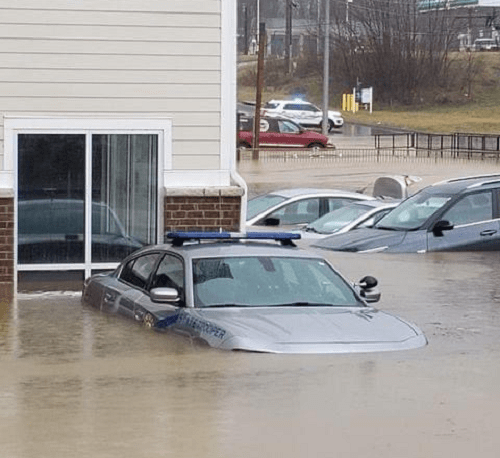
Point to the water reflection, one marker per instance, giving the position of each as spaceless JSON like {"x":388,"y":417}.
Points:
{"x":77,"y":382}
{"x":354,"y":130}
{"x":74,"y":379}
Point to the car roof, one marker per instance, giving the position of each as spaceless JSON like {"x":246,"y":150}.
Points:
{"x":274,"y":116}
{"x":234,"y":249}
{"x":294,"y":192}
{"x":229,"y":248}
{"x":458,"y":185}
{"x":375,"y":203}
{"x":291,"y":101}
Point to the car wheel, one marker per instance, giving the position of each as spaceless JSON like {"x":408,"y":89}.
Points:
{"x":315,"y":147}
{"x":330,"y":125}
{"x":148,"y":321}
{"x":243,"y":145}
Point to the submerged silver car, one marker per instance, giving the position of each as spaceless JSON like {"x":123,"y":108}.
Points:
{"x":247,"y":292}
{"x":296,"y":207}
{"x":347,"y":218}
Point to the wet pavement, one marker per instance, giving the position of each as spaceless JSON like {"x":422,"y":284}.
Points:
{"x":78,"y":383}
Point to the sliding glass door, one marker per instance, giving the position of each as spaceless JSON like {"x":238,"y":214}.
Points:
{"x":85,"y":200}
{"x":51,"y":190}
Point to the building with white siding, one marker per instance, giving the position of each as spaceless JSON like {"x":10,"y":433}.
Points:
{"x":117,"y":124}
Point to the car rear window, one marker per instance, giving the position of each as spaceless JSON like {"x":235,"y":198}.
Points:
{"x":246,"y":124}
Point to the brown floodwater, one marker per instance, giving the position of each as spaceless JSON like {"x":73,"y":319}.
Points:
{"x":75,"y":382}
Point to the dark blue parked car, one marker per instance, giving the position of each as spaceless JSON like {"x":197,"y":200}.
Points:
{"x":454,"y":215}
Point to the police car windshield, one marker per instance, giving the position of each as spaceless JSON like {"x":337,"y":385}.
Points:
{"x":268,"y":281}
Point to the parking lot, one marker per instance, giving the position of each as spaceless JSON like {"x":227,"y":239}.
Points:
{"x":79,"y":383}
{"x":354,"y":166}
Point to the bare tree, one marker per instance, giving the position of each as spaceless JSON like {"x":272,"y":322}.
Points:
{"x":404,"y":53}
{"x":392,"y":47}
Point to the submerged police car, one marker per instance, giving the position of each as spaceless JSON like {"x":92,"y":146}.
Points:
{"x":247,"y":292}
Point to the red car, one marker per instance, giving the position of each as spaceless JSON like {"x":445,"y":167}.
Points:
{"x":280,"y":132}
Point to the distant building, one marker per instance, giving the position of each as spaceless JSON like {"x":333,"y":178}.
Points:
{"x":478,"y":21}
{"x":304,"y":37}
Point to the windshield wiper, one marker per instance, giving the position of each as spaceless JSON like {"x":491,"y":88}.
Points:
{"x":223,"y":305}
{"x":306,"y":304}
{"x":312,"y":229}
{"x":387,"y":228}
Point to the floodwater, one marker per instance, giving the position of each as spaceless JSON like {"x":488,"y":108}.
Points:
{"x":75,"y":382}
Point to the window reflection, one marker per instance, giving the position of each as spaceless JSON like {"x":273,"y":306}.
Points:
{"x":51,"y":182}
{"x":51,"y":197}
{"x":124,"y":182}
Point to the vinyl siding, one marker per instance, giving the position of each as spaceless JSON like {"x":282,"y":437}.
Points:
{"x":137,"y":57}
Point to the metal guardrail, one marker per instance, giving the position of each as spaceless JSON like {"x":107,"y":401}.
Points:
{"x":379,"y":154}
{"x":457,"y":144}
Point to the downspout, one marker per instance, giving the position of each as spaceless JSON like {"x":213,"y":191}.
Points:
{"x":229,"y":98}
{"x":238,"y":179}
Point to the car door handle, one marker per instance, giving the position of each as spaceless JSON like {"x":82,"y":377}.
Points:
{"x":488,"y":232}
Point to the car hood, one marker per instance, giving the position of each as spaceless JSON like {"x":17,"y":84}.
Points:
{"x":363,"y":239}
{"x":316,"y":135}
{"x":312,"y":329}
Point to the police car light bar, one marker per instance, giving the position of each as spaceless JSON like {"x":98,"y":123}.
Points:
{"x":178,"y":238}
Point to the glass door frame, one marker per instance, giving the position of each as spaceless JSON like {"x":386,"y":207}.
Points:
{"x":153,"y":126}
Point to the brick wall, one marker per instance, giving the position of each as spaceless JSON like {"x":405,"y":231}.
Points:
{"x":202,"y":210}
{"x":6,"y":241}
{"x":207,"y":210}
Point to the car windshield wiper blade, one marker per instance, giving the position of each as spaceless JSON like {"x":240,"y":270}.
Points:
{"x":291,"y":304}
{"x":306,"y":304}
{"x":223,"y":305}
{"x":387,"y":228}
{"x":316,"y":231}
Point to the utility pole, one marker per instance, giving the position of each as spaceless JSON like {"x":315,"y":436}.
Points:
{"x":288,"y":35}
{"x":258,"y":97}
{"x":347,"y":11}
{"x":245,"y":28}
{"x":319,"y":32}
{"x":326,"y":68}
{"x":258,"y":21}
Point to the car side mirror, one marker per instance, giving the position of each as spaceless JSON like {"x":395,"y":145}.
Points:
{"x":272,"y":222}
{"x":163,"y":295}
{"x":440,"y":226}
{"x":368,"y":289}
